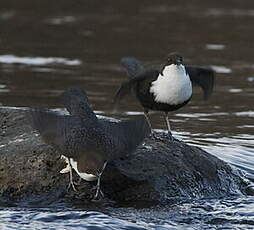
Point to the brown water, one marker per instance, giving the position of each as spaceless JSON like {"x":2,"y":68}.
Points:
{"x":47,"y":46}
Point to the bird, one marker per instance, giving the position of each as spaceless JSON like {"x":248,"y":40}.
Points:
{"x":165,"y":89}
{"x":86,"y":142}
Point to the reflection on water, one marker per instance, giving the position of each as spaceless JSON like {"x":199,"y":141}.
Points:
{"x":237,"y":150}
{"x":46,"y":48}
{"x":215,"y":46}
{"x":230,"y":12}
{"x":12,"y":59}
{"x":221,"y":69}
{"x":61,"y":20}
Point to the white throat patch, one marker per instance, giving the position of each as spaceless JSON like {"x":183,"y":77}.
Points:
{"x":173,"y":87}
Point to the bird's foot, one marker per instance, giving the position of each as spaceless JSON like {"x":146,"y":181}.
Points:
{"x":79,"y":181}
{"x":98,"y":193}
{"x":72,"y":185}
{"x":170,"y":136}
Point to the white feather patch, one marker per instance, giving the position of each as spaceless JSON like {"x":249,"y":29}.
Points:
{"x":85,"y":176}
{"x":68,"y":167}
{"x":173,"y":87}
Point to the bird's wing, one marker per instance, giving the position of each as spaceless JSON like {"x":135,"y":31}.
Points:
{"x":203,"y":77}
{"x":145,"y":77}
{"x":123,"y":137}
{"x":56,"y":130}
{"x":132,"y":66}
{"x":124,"y":89}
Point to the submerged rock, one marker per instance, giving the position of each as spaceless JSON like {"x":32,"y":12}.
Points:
{"x":157,"y":171}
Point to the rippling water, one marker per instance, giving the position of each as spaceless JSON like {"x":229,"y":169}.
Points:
{"x":48,"y":46}
{"x":233,"y":213}
{"x":50,"y":219}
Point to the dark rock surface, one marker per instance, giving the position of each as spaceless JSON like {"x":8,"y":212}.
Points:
{"x":157,"y":171}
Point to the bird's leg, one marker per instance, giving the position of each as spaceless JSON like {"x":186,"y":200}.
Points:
{"x":147,"y":119}
{"x":71,"y":183}
{"x":149,"y":123}
{"x":68,"y":169}
{"x":152,"y":135}
{"x":168,"y":125}
{"x":79,"y":181}
{"x":98,"y":190}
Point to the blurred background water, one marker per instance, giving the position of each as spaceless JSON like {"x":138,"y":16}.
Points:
{"x":47,"y":46}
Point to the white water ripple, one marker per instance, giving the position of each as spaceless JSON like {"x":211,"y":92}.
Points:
{"x":12,"y":59}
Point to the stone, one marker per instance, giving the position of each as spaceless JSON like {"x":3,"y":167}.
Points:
{"x":158,"y":171}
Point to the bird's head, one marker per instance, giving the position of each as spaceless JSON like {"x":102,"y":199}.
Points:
{"x":174,"y":58}
{"x":76,"y":101}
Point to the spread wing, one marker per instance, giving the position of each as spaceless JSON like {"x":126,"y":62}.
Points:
{"x":203,"y":77}
{"x":132,"y":66}
{"x":125,"y":136}
{"x":56,"y":130}
{"x":70,"y":135}
{"x":146,"y":77}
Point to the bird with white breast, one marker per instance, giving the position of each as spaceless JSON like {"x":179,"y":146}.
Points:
{"x":164,"y":89}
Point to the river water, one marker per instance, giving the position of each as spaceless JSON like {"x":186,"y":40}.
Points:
{"x":47,"y":46}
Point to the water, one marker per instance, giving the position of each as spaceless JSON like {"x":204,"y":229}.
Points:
{"x":47,"y":46}
{"x":49,"y":219}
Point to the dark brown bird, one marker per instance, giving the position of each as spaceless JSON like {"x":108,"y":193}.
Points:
{"x":86,"y":142}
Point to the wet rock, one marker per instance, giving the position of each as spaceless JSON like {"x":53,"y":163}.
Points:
{"x":157,"y":171}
